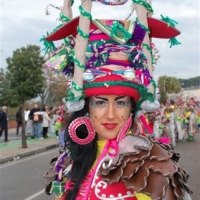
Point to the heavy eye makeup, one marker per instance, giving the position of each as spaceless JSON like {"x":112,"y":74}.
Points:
{"x":121,"y":101}
{"x":98,"y":101}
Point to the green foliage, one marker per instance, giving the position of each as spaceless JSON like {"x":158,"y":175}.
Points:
{"x":191,"y":82}
{"x":163,"y":96}
{"x":5,"y":91}
{"x":168,"y":85}
{"x":24,"y":78}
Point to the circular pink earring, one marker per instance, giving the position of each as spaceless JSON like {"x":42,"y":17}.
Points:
{"x":75,"y":124}
{"x":124,"y":129}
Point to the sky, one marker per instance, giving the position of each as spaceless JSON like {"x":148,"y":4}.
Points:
{"x":24,"y":22}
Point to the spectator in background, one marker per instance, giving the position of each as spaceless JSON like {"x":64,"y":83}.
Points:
{"x":19,"y":119}
{"x":45,"y":122}
{"x":28,"y":123}
{"x":4,"y":123}
{"x":61,"y":140}
{"x":26,"y":114}
{"x":46,"y":108}
{"x":56,"y":122}
{"x":54,"y":117}
{"x":36,"y":116}
{"x":162,"y":108}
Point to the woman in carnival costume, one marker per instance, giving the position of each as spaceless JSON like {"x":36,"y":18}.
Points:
{"x":171,"y":125}
{"x":104,"y":159}
{"x":192,"y":125}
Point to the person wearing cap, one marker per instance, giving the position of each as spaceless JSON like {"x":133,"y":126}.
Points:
{"x":112,"y":82}
{"x":4,"y":123}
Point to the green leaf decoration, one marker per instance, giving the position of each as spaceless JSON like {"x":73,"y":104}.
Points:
{"x":173,"y":42}
{"x":48,"y":45}
{"x":169,"y":21}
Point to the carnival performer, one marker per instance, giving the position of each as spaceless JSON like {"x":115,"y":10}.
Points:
{"x":171,"y":125}
{"x":163,"y":135}
{"x":179,"y":123}
{"x":104,"y":159}
{"x":198,"y":119}
{"x":192,"y":125}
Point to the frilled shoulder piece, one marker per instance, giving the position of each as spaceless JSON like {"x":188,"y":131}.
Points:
{"x":148,"y":167}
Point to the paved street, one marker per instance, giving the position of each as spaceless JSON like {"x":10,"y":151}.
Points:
{"x":190,"y":161}
{"x":23,"y":179}
{"x":11,"y":135}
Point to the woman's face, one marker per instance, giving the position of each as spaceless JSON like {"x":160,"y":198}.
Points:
{"x":108,"y":113}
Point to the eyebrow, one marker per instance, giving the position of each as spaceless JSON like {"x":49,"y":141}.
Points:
{"x":105,"y":99}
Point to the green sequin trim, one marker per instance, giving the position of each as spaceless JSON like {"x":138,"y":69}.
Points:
{"x":57,"y":27}
{"x":64,"y":18}
{"x":143,"y":91}
{"x":84,"y":13}
{"x":78,"y":63}
{"x":114,"y":83}
{"x":143,"y":26}
{"x":145,"y":4}
{"x":82,"y":34}
{"x":147,"y":47}
{"x":76,"y":87}
{"x":72,"y":98}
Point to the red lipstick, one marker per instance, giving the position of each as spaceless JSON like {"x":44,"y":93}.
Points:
{"x":109,"y":126}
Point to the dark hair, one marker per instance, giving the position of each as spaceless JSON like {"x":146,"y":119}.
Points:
{"x":83,"y":156}
{"x":172,"y":102}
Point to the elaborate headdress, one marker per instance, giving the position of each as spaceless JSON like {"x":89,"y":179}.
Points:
{"x":112,"y":57}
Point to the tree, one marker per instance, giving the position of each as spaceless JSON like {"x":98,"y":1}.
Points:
{"x":191,"y":82}
{"x":3,"y":88}
{"x":58,"y":88}
{"x":168,"y":85}
{"x":54,"y":88}
{"x":24,"y":72}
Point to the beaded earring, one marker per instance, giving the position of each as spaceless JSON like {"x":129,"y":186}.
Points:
{"x":75,"y":124}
